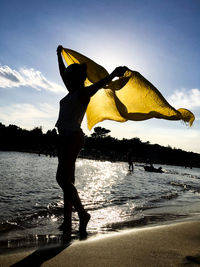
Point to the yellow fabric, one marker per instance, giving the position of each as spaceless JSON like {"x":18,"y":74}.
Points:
{"x":130,"y":97}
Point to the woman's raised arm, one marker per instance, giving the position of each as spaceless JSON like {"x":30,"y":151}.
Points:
{"x":61,"y":63}
{"x":92,"y":89}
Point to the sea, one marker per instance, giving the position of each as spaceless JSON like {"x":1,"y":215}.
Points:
{"x":31,"y":202}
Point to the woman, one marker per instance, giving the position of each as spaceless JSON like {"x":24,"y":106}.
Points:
{"x":71,"y":138}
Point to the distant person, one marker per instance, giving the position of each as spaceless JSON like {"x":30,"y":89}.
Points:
{"x":71,"y":138}
{"x":130,"y":161}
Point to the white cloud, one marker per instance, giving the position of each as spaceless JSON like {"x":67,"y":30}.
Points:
{"x":27,"y":77}
{"x":185,"y":99}
{"x":29,"y":116}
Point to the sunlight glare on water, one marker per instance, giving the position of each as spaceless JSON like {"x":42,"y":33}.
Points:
{"x":32,"y":202}
{"x":99,"y":179}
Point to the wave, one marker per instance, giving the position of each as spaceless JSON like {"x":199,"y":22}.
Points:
{"x":55,"y":210}
{"x":186,"y":187}
{"x":38,"y":240}
{"x":143,"y":220}
{"x":189,"y":175}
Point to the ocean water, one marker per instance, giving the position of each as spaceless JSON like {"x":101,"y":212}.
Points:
{"x":31,"y":202}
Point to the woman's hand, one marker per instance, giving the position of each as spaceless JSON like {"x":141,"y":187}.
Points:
{"x":59,"y":49}
{"x":119,"y":71}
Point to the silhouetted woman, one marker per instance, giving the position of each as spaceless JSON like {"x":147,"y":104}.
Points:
{"x":71,"y":138}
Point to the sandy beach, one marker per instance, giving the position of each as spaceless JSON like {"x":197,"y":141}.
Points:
{"x":176,"y":244}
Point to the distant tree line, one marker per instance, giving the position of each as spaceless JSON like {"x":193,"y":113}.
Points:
{"x":98,"y":146}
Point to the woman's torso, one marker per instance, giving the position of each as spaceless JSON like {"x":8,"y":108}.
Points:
{"x":72,"y":110}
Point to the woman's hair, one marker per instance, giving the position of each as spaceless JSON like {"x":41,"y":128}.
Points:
{"x":75,"y":73}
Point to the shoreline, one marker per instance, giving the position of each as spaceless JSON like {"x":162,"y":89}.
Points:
{"x":154,"y":217}
{"x":103,"y":159}
{"x":171,"y":244}
{"x":19,"y":243}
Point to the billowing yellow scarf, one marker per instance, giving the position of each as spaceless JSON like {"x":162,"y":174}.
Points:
{"x":130,"y":97}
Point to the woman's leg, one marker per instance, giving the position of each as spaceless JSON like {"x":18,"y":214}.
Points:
{"x":84,"y":217}
{"x":71,"y":198}
{"x":65,"y":177}
{"x":66,"y":226}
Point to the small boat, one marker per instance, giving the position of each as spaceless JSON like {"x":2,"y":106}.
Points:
{"x":152,"y":169}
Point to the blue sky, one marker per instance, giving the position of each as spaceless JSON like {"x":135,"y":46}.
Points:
{"x":160,"y":39}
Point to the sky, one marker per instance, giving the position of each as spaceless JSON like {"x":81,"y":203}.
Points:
{"x":159,"y":39}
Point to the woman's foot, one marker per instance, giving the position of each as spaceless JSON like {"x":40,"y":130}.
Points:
{"x":65,"y":228}
{"x":83,"y":221}
{"x":61,"y":227}
{"x":66,"y":233}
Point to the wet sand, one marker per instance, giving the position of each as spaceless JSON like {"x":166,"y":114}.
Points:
{"x":176,"y":244}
